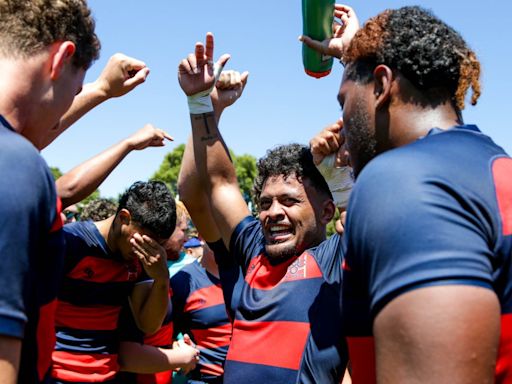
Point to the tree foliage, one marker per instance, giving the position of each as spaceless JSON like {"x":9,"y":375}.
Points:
{"x":245,"y":166}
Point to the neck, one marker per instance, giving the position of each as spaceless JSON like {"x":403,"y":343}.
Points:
{"x":21,"y":82}
{"x":107,"y":231}
{"x":413,"y":122}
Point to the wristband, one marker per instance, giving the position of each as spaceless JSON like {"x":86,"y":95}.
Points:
{"x":201,"y":102}
{"x":340,"y":180}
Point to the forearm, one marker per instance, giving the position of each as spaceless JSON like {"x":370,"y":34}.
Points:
{"x":140,"y":358}
{"x":90,"y":96}
{"x":82,"y":180}
{"x":151,"y":313}
{"x":194,"y":197}
{"x":10,"y":349}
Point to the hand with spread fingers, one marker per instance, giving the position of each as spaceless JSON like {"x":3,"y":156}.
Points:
{"x":151,"y":255}
{"x":342,"y":33}
{"x":148,"y":136}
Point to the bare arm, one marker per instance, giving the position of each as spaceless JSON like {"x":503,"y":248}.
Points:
{"x":140,"y":358}
{"x":214,"y":166}
{"x":121,"y":75}
{"x":82,"y":180}
{"x":228,"y":89}
{"x":441,"y":334}
{"x":149,"y":301}
{"x":10,"y":350}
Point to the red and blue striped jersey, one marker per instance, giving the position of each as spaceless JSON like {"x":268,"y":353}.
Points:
{"x":199,"y":311}
{"x":287,"y":321}
{"x":444,"y":204}
{"x":162,"y":339}
{"x":31,"y":248}
{"x":95,"y":286}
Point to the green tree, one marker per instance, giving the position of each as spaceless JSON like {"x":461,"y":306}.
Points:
{"x":245,"y":166}
{"x":56,"y":172}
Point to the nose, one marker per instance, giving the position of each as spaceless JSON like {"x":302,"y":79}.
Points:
{"x":275,"y":212}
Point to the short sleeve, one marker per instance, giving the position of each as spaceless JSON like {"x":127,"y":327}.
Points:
{"x":27,"y":210}
{"x":409,"y":225}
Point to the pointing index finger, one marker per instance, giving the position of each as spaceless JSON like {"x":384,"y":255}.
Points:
{"x":209,"y":46}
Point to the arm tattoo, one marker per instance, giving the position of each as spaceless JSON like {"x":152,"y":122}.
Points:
{"x":204,"y":117}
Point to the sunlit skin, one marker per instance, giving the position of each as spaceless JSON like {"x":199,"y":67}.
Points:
{"x":175,"y":243}
{"x":293,"y":216}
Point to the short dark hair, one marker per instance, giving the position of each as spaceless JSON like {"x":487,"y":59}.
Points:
{"x":28,"y":26}
{"x":151,"y":206}
{"x":424,"y":49}
{"x":289,"y":160}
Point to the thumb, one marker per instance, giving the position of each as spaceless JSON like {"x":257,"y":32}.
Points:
{"x":219,"y":65}
{"x":313,"y":44}
{"x":138,"y":78}
{"x":244,"y":78}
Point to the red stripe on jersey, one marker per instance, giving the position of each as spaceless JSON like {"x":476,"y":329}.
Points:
{"x":87,"y":368}
{"x":504,"y":363}
{"x":204,"y":298}
{"x":45,"y":337}
{"x":97,"y":318}
{"x":101,"y":270}
{"x":502,"y":172}
{"x":155,"y":378}
{"x":57,"y":223}
{"x":213,"y":337}
{"x":162,"y":337}
{"x":263,"y":275}
{"x":361,"y":351}
{"x":212,"y":370}
{"x":277,"y":343}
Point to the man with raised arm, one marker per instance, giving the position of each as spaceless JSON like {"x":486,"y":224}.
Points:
{"x":428,"y":271}
{"x":286,"y":326}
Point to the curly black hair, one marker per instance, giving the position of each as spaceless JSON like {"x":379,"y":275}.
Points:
{"x":425,"y":50}
{"x":289,"y":160}
{"x":151,"y":206}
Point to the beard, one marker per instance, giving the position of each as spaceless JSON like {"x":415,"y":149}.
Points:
{"x":361,"y":142}
{"x":280,"y":252}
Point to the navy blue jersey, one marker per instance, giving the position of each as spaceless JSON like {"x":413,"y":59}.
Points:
{"x":31,"y":247}
{"x":199,"y":311}
{"x":95,"y":287}
{"x":437,"y":211}
{"x":287,"y":321}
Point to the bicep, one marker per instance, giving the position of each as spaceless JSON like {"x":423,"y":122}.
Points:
{"x":438,"y":334}
{"x":228,"y":209}
{"x":10,"y":349}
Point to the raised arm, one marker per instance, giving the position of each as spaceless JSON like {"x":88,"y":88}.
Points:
{"x":120,"y":76}
{"x":82,"y":180}
{"x":227,"y":90}
{"x":197,"y":77}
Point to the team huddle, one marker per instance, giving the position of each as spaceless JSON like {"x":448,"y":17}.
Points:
{"x":415,"y":286}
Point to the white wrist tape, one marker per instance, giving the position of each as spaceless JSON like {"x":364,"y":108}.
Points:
{"x":201,"y":102}
{"x":340,"y":180}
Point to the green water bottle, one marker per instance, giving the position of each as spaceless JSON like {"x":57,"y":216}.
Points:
{"x":317,"y":18}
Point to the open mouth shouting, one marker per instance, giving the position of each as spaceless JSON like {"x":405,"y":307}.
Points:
{"x":279,"y":233}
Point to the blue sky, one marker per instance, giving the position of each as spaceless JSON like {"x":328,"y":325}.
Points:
{"x":280,"y":104}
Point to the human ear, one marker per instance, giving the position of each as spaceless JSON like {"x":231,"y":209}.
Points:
{"x":124,"y":216}
{"x":383,"y":79}
{"x":61,"y":54}
{"x":328,"y":212}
